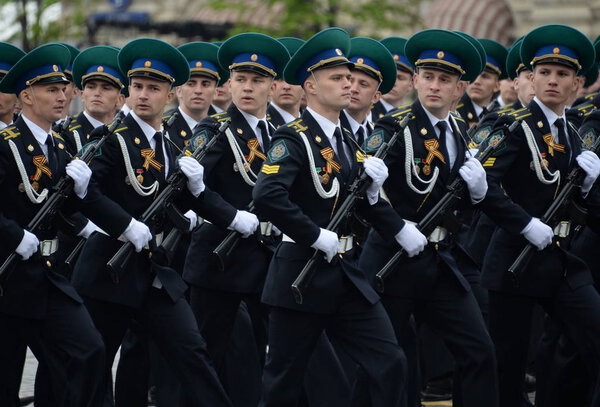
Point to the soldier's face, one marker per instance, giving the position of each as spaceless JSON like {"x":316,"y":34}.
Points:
{"x":553,"y":84}
{"x":8,"y":103}
{"x":329,"y":88}
{"x":364,"y":91}
{"x":99,"y":98}
{"x":285,"y":95}
{"x":524,"y":87}
{"x":44,"y":103}
{"x":250,"y":92}
{"x":223,"y":95}
{"x":197,"y":94}
{"x":403,"y":85}
{"x":508,"y":91}
{"x":436,"y":90}
{"x":482,"y":89}
{"x":148,"y":97}
{"x":71,"y":93}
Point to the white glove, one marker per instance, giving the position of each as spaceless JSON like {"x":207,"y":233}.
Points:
{"x":194,"y":171}
{"x":28,"y":246}
{"x":328,"y":243}
{"x":471,"y":152}
{"x":244,"y":223}
{"x":138,"y":234}
{"x":474,"y":175}
{"x":538,"y":233}
{"x":411,"y":239}
{"x":88,"y":229}
{"x":191,"y":215}
{"x":378,"y":171}
{"x":590,"y":163}
{"x":81,"y":174}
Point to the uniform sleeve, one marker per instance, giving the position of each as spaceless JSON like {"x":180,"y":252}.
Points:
{"x":11,"y":232}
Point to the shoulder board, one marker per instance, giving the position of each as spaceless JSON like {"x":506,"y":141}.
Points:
{"x":459,"y":106}
{"x":167,"y":116}
{"x":404,"y":106}
{"x":71,"y":128}
{"x":58,"y":136}
{"x":506,"y":108}
{"x":457,"y":117}
{"x":521,"y":113}
{"x":221,"y":116}
{"x":121,"y":129}
{"x":297,"y":125}
{"x":10,"y":132}
{"x":586,"y":107}
{"x":591,"y":95}
{"x":401,"y":112}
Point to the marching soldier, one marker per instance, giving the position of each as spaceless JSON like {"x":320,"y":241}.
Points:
{"x":524,"y":175}
{"x":38,"y":306}
{"x":285,"y":98}
{"x":8,"y":101}
{"x":60,"y":125}
{"x":303,"y":178}
{"x":129,"y":172}
{"x":404,"y":83}
{"x":429,"y":282}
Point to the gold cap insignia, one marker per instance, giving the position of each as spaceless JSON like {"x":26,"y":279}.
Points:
{"x":254,"y":57}
{"x":423,"y":131}
{"x":440,"y":54}
{"x":100,"y":69}
{"x":136,"y":140}
{"x":360,"y":60}
{"x":55,"y":68}
{"x":338,"y":51}
{"x":30,"y":148}
{"x":556,"y":50}
{"x":199,"y":64}
{"x":396,"y":57}
{"x":147,"y":64}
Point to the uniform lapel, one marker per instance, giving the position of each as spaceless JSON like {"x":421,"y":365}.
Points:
{"x":322,"y":144}
{"x":32,"y":153}
{"x":140,"y":144}
{"x":244,"y":135}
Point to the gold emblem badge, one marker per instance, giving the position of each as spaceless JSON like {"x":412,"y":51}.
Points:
{"x":30,"y":148}
{"x":55,"y":68}
{"x":424,"y":131}
{"x":441,"y":55}
{"x":136,"y":140}
{"x":254,"y":57}
{"x":324,"y":178}
{"x":360,"y":60}
{"x":540,"y":124}
{"x":240,"y":131}
{"x":338,"y":51}
{"x":35,"y":185}
{"x":61,"y":146}
{"x":427,"y":169}
{"x":183,"y":133}
{"x":147,"y":64}
{"x":396,"y":57}
{"x":199,"y":64}
{"x":100,"y":69}
{"x":470,"y":115}
{"x":140,"y":178}
{"x":556,"y":50}
{"x":318,"y":139}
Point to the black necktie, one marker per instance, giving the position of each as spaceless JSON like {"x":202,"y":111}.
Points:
{"x":52,"y":157}
{"x":159,"y":154}
{"x":563,"y":158}
{"x":442,"y":126}
{"x":264,"y":134}
{"x":341,"y":153}
{"x":360,"y":136}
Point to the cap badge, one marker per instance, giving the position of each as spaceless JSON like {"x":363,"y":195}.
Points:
{"x":360,"y":60}
{"x":396,"y":57}
{"x":55,"y":68}
{"x":338,"y":51}
{"x":556,"y":50}
{"x":147,"y":64}
{"x":440,"y":54}
{"x":199,"y":64}
{"x":254,"y":57}
{"x":100,"y":69}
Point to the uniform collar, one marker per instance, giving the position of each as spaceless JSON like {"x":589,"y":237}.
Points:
{"x":386,"y":105}
{"x":287,"y":117}
{"x":3,"y":125}
{"x":354,"y":125}
{"x":95,"y":123}
{"x":188,"y":119}
{"x":326,"y":125}
{"x":125,"y":109}
{"x":478,"y":109}
{"x":550,"y":115}
{"x":434,"y":120}
{"x":217,"y":109}
{"x":40,"y":134}
{"x":253,"y":120}
{"x":148,"y":130}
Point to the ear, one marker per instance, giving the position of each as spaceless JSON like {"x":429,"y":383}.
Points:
{"x":178,"y":91}
{"x":376,"y":97}
{"x":26,"y":97}
{"x":310,"y":87}
{"x":170,"y":96}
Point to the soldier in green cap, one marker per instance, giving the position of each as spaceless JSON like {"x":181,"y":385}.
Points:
{"x":524,"y":175}
{"x":38,"y":306}
{"x":8,"y":101}
{"x":60,"y":125}
{"x":404,"y":79}
{"x":429,"y":281}
{"x":128,"y":173}
{"x":304,"y":177}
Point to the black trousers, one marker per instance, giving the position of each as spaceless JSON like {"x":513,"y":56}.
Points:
{"x":510,"y":321}
{"x":453,"y":315}
{"x":66,"y":343}
{"x":173,"y":329}
{"x":361,"y":329}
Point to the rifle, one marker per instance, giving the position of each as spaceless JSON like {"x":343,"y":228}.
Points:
{"x":164,"y":201}
{"x":167,"y":124}
{"x":562,"y":201}
{"x":228,"y":245}
{"x":63,"y":189}
{"x":356,"y":189}
{"x":443,"y":206}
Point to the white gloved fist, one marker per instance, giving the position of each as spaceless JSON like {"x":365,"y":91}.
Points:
{"x":411,"y":239}
{"x":89,"y":228}
{"x":81,"y":174}
{"x":590,"y":163}
{"x":138,"y":234}
{"x":475,"y":177}
{"x":328,"y":243}
{"x":378,"y":171}
{"x":28,"y":246}
{"x":194,"y":171}
{"x":244,"y":223}
{"x":193,"y":218}
{"x":538,"y":233}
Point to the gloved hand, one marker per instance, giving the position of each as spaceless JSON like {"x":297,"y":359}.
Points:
{"x":378,"y":171}
{"x":590,"y":163}
{"x":474,"y":175}
{"x":538,"y":233}
{"x":411,"y":239}
{"x":28,"y":246}
{"x":328,"y":243}
{"x":245,"y":223}
{"x":81,"y":174}
{"x":138,"y":234}
{"x":191,"y":215}
{"x":194,"y":171}
{"x":89,"y":228}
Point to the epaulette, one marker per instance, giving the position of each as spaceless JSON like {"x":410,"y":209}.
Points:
{"x":506,"y":108}
{"x":457,"y":117}
{"x":459,"y":106}
{"x":220,"y":117}
{"x":167,"y":116}
{"x":58,"y":136}
{"x":521,"y":113}
{"x":591,"y":95}
{"x":401,"y":112}
{"x":121,"y":129}
{"x":586,"y":109}
{"x":71,"y":128}
{"x":10,"y":132}
{"x":297,"y":125}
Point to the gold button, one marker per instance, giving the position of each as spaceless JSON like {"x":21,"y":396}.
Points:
{"x":48,"y":263}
